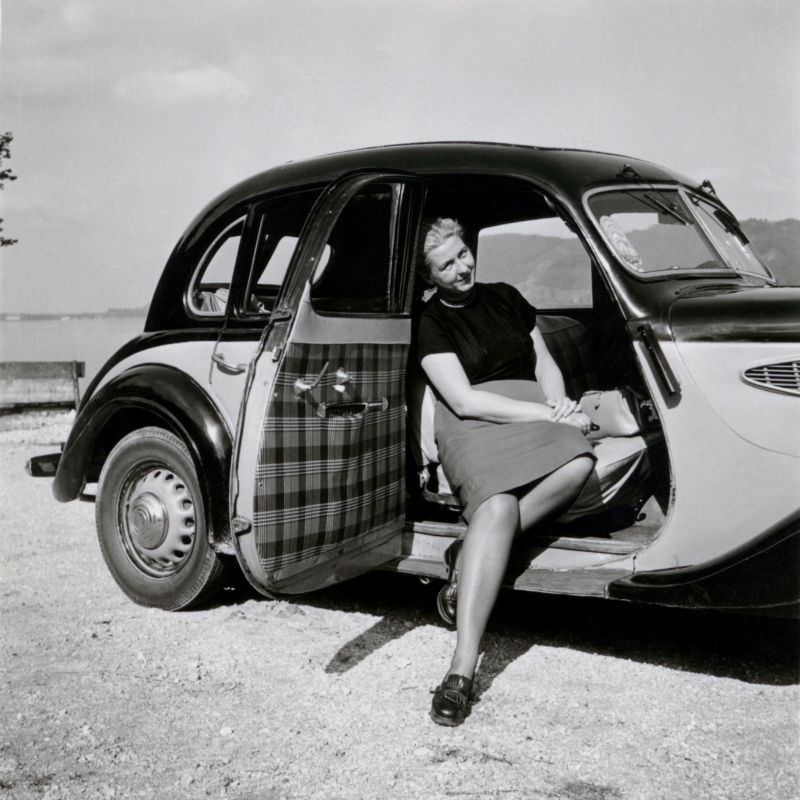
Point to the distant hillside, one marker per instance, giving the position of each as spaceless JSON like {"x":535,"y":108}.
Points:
{"x":778,"y":244}
{"x":552,"y":271}
{"x":546,"y":269}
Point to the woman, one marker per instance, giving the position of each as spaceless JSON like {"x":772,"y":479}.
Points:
{"x":510,"y":440}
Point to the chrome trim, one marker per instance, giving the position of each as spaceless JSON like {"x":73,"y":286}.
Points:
{"x":775,"y":376}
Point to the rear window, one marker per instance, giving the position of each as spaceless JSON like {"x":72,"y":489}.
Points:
{"x":543,"y":258}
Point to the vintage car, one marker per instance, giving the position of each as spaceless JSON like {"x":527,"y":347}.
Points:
{"x":272,"y":414}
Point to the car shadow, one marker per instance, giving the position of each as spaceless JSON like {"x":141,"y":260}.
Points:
{"x":759,"y":650}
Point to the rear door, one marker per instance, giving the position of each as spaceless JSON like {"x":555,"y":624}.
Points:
{"x":321,"y":453}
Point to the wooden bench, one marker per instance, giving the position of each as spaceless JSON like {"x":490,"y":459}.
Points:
{"x":40,"y":384}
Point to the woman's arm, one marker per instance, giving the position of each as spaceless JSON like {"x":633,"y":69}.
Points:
{"x":547,"y":372}
{"x":551,"y":380}
{"x":445,"y":372}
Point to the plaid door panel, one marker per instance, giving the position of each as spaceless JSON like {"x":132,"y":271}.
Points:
{"x":322,"y":482}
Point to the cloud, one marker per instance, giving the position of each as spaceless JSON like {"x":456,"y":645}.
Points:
{"x":47,"y":76}
{"x":163,"y":87}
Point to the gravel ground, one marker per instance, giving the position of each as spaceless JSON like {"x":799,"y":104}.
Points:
{"x":327,"y":695}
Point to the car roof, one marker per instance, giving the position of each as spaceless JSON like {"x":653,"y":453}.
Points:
{"x":567,"y":171}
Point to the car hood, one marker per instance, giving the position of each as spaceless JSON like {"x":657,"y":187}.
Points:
{"x":722,"y":334}
{"x":732,"y":313}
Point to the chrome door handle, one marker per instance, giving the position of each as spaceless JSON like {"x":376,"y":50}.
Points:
{"x":356,"y":409}
{"x":227,"y":368}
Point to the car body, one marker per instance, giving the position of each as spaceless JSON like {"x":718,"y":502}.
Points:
{"x":266,"y":412}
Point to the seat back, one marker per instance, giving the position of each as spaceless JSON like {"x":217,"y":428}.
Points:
{"x":569,"y":344}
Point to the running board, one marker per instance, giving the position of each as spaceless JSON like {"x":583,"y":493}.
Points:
{"x":586,"y":582}
{"x":590,"y":544}
{"x":562,"y":564}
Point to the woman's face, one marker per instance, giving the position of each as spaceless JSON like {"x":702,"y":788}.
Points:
{"x":452,"y":269}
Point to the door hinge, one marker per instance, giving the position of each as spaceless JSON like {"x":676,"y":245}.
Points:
{"x":240,"y":525}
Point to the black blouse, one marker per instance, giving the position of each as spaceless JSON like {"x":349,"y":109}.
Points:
{"x":490,"y":334}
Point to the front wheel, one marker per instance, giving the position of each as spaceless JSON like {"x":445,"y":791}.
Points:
{"x":151,"y":522}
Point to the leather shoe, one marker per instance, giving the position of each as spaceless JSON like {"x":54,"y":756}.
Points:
{"x":451,"y":700}
{"x":448,"y":595}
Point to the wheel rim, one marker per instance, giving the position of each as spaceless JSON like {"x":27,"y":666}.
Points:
{"x":157,"y":522}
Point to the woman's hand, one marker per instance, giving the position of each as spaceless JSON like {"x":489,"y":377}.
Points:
{"x":578,"y":420}
{"x":562,"y":408}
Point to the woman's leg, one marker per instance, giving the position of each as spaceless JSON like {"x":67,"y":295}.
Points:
{"x":483,"y":559}
{"x":554,"y":493}
{"x":482,"y":564}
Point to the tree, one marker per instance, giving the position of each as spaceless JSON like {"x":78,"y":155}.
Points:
{"x":5,"y":175}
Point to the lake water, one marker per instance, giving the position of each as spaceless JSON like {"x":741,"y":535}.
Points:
{"x":89,"y":340}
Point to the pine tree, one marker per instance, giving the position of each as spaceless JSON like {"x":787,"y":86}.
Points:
{"x":5,"y":175}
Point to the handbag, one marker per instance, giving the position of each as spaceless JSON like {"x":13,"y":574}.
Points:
{"x":610,"y":412}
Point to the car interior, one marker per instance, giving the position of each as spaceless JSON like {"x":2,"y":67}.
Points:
{"x":585,"y":333}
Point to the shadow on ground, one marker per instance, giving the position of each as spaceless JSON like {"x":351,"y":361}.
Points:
{"x":754,"y":649}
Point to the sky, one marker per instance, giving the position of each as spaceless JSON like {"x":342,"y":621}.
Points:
{"x":129,"y":115}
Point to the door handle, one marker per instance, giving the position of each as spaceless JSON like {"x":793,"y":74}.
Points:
{"x":357,"y":409}
{"x":227,"y":368}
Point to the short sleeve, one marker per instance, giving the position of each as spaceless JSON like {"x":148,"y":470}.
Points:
{"x":432,"y":337}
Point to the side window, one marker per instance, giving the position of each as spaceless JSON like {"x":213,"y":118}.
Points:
{"x":362,"y":254}
{"x":281,"y":221}
{"x":543,"y":258}
{"x":275,"y":270}
{"x":210,"y":286}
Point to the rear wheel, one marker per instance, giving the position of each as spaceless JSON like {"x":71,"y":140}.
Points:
{"x":151,"y":522}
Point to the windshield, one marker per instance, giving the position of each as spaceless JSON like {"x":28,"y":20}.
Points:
{"x":666,"y":230}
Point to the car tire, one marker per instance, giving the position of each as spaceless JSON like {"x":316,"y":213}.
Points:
{"x":152,"y":523}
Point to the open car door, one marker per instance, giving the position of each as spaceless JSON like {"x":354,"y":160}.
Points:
{"x":319,"y":485}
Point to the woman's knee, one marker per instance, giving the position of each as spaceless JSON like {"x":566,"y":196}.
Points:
{"x":578,"y":470}
{"x":498,"y":510}
{"x":584,"y":465}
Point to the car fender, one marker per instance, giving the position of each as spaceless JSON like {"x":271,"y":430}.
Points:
{"x":149,"y":394}
{"x":757,"y":577}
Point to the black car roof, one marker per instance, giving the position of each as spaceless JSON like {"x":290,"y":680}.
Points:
{"x":569,"y":171}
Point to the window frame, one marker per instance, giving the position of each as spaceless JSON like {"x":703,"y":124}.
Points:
{"x":406,"y":200}
{"x":257,"y":240}
{"x":239,"y":218}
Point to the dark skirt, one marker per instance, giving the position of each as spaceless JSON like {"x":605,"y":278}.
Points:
{"x":481,"y":459}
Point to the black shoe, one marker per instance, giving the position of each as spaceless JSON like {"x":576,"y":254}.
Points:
{"x":451,"y":700}
{"x":446,"y":599}
{"x":446,"y":603}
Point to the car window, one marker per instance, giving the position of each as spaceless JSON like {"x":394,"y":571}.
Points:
{"x":728,"y":236}
{"x":210,"y":286}
{"x":281,"y":219}
{"x":278,"y":264}
{"x":543,"y":258}
{"x":361,"y":253}
{"x":652,"y":231}
{"x":656,"y":230}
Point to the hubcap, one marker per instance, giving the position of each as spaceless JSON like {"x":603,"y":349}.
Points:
{"x":158,"y":522}
{"x":147,"y":520}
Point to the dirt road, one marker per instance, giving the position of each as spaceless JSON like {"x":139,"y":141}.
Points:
{"x":326,"y":696}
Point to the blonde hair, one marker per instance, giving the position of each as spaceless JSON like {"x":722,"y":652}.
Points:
{"x":434,"y":233}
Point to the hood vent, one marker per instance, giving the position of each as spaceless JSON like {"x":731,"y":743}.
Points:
{"x":781,"y":376}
